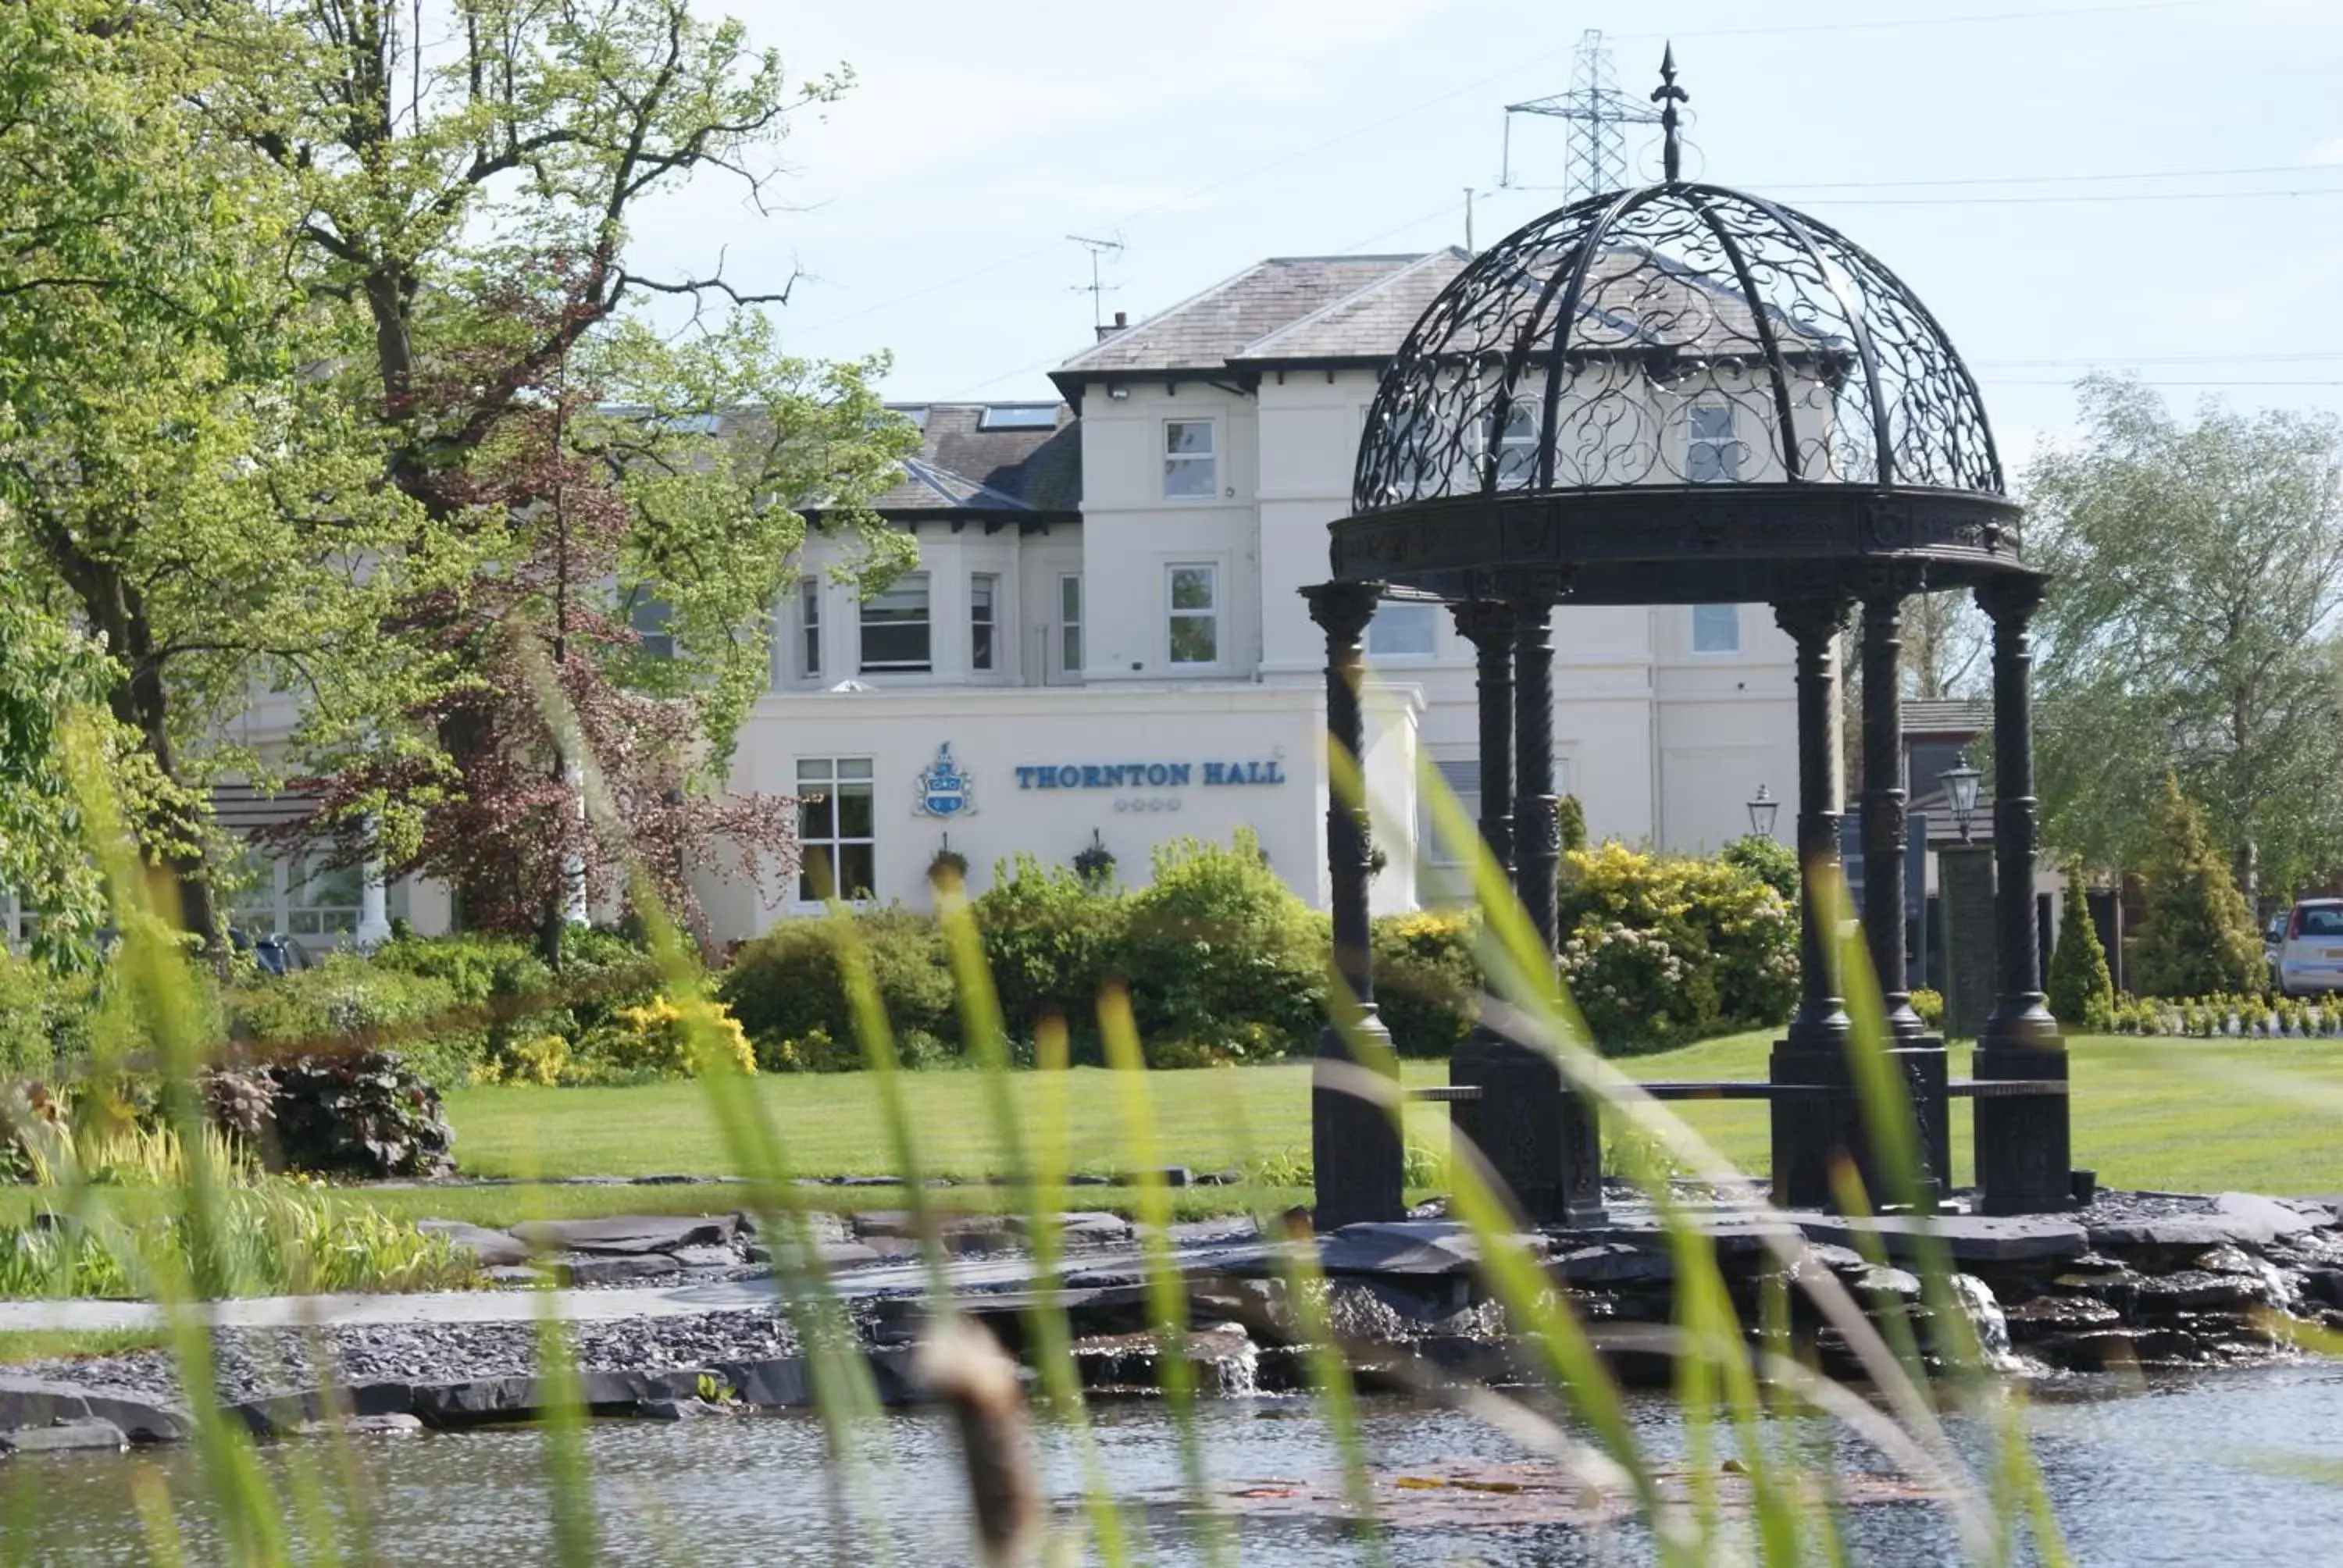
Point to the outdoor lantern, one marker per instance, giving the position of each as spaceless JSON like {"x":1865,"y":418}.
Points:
{"x":1763,"y":809}
{"x":1960,"y":792}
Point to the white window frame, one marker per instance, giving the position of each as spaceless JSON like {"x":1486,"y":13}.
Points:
{"x":276,"y":900}
{"x":808,"y":650}
{"x":1725,"y":450}
{"x":1069,"y":632}
{"x":1693,"y":636}
{"x":1209,"y":459}
{"x":927,"y":623}
{"x":984,"y":630}
{"x":827,"y":776}
{"x":1172,"y":614}
{"x":1412,"y":609}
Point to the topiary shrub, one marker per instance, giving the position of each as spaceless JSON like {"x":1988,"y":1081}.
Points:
{"x":356,"y":1113}
{"x":1222,"y":960}
{"x":1929,"y":1007}
{"x":1426,"y":980}
{"x":787,"y":983}
{"x":2082,"y":992}
{"x":2199,"y":937}
{"x":1051,"y":938}
{"x":1570,"y":823}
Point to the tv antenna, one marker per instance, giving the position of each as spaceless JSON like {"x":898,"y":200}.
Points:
{"x":1598,"y":113}
{"x":1095,"y":289}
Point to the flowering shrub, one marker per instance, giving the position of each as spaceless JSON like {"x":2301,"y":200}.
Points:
{"x":667,"y":1039}
{"x":1426,"y":980}
{"x":1663,"y":949}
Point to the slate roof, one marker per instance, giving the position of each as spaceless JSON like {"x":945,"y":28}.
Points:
{"x":1223,"y":323}
{"x":1368,"y":323}
{"x":1015,"y":473}
{"x":1948,"y":716}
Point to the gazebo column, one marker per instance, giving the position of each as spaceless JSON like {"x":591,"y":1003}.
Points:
{"x":1355,"y":1144}
{"x":2023,"y":1141}
{"x":1489,"y":628}
{"x":1919,"y":1055}
{"x":1542,"y":1139}
{"x":1812,"y":1130}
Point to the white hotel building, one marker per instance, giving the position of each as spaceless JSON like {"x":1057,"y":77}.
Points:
{"x":1105,"y":638}
{"x":1104,"y":641}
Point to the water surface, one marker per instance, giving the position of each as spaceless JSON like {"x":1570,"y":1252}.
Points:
{"x":2212,"y":1468}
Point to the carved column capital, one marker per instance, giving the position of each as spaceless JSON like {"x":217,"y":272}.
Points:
{"x":1810,"y":620}
{"x":2013,"y":598}
{"x":1487,"y":624}
{"x":1343,"y":608}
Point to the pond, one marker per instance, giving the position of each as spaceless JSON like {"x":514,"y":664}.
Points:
{"x":2196,"y":1469}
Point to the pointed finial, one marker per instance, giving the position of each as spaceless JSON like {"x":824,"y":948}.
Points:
{"x":1667,"y":95}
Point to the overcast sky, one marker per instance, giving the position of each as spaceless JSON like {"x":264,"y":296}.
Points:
{"x":1996,"y":155}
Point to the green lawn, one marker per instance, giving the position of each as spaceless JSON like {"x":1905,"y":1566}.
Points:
{"x":2181,"y":1115}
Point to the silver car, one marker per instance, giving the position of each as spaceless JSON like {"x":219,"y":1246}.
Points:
{"x":2310,"y":951}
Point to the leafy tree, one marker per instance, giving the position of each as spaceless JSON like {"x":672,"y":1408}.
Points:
{"x":2197,"y":571}
{"x":171,"y":476}
{"x":2082,"y":990}
{"x":472,"y":201}
{"x":51,"y":678}
{"x":2199,"y":937}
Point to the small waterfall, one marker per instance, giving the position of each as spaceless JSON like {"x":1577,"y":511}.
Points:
{"x":1237,"y":1374}
{"x":2277,"y":1294}
{"x":1985,"y":1315}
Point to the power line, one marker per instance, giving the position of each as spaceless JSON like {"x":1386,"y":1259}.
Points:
{"x":1515,"y":69}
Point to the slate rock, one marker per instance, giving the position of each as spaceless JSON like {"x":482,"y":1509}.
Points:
{"x":630,"y":1233}
{"x":1402,"y":1247}
{"x":90,"y":1433}
{"x":521,"y":1275}
{"x":2262,"y":1220}
{"x":706,"y":1257}
{"x":1898,"y":1284}
{"x":476,"y":1399}
{"x":2037,"y":1319}
{"x":2167,"y":1232}
{"x":2195,"y":1289}
{"x":33,"y":1402}
{"x":1084,"y":1230}
{"x":489,"y":1249}
{"x":1613,"y":1263}
{"x":611,"y":1269}
{"x":780,"y":1382}
{"x":1969,"y":1238}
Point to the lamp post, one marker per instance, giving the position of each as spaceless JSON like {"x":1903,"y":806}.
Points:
{"x":1763,"y":810}
{"x":1964,"y":895}
{"x":1960,"y":783}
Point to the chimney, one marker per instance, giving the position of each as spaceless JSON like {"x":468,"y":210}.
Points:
{"x":1121,"y":320}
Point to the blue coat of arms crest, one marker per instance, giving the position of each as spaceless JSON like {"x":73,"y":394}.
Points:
{"x":944,"y":788}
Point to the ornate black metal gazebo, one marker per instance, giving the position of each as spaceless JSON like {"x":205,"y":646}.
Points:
{"x":1686,"y":394}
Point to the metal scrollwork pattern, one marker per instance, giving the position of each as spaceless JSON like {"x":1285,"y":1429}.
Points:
{"x":1682,"y":334}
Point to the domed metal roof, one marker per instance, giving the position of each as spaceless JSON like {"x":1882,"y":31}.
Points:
{"x":1660,"y":367}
